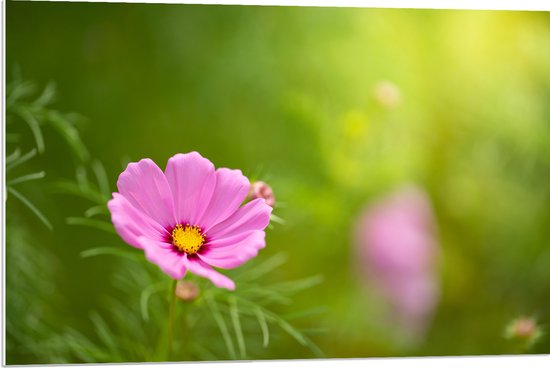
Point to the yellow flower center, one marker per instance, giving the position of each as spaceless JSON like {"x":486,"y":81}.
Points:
{"x":188,"y":239}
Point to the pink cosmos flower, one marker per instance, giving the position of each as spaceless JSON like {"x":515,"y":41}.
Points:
{"x":189,"y":217}
{"x":397,"y":249}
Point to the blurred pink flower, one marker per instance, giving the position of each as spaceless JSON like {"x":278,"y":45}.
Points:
{"x":189,"y":218}
{"x":397,"y":250}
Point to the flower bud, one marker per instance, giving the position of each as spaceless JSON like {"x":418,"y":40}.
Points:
{"x":387,"y":94}
{"x":259,"y":189}
{"x":187,"y":290}
{"x":523,"y":329}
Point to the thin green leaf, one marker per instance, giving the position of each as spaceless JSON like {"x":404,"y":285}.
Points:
{"x":24,"y":178}
{"x":101,"y":177}
{"x":81,"y":176}
{"x":84,"y":192}
{"x":14,"y":156}
{"x":101,"y":225}
{"x":234,"y":312}
{"x":145,"y":296}
{"x":277,"y":219}
{"x":34,"y":125}
{"x":314,"y":348}
{"x":283,"y":324}
{"x":26,"y":157}
{"x":100,"y":251}
{"x":18,"y":91}
{"x":222,"y":326}
{"x":69,"y":133}
{"x":305,"y":313}
{"x":96,"y":210}
{"x":263,"y":325}
{"x":297,"y":285}
{"x":47,"y":95}
{"x":266,"y":267}
{"x":35,"y":210}
{"x":106,"y":335}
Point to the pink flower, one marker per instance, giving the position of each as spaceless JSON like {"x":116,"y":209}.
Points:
{"x":397,"y":251}
{"x":189,"y":217}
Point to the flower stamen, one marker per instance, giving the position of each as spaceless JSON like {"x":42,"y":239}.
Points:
{"x":188,"y":239}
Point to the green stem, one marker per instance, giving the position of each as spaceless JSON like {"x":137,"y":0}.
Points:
{"x":186,"y":331}
{"x":171,"y":310}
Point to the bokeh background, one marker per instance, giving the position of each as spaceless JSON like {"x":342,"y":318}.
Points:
{"x":334,"y":108}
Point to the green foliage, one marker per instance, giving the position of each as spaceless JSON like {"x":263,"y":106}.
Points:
{"x":294,"y":90}
{"x":131,"y":326}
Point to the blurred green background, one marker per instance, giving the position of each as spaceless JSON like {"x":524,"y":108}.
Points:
{"x":289,"y":93}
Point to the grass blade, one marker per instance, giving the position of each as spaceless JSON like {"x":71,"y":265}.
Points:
{"x":234,"y":311}
{"x":35,"y":210}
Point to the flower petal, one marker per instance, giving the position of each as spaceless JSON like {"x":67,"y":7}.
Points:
{"x":130,"y":223}
{"x":234,"y":251}
{"x":198,"y":267}
{"x":252,"y":216}
{"x":163,"y":255}
{"x":192,"y":179}
{"x":231,"y":190}
{"x":144,"y":185}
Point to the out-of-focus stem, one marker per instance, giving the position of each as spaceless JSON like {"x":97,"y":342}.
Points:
{"x":171,"y":312}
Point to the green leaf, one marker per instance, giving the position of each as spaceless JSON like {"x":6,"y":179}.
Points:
{"x":24,"y":178}
{"x":96,"y":210}
{"x":222,"y":326}
{"x":234,"y":312}
{"x":265,"y":267}
{"x":98,"y":224}
{"x":80,"y":191}
{"x":106,"y":335}
{"x":35,"y":210}
{"x":263,"y":325}
{"x":145,"y":296}
{"x":46,"y":97}
{"x":34,"y":125}
{"x":121,"y":252}
{"x":69,"y":133}
{"x":277,"y":219}
{"x":21,"y":160}
{"x":14,"y":156}
{"x":101,"y":177}
{"x":17,"y":91}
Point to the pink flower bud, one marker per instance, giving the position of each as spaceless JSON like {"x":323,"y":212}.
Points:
{"x":187,"y":290}
{"x":523,"y":329}
{"x":259,"y":189}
